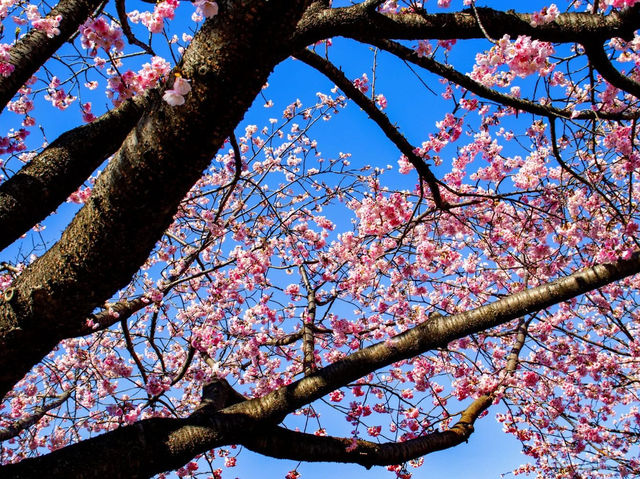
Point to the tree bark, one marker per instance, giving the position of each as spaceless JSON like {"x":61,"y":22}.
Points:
{"x":39,"y":187}
{"x":135,"y":198}
{"x":366,"y":24}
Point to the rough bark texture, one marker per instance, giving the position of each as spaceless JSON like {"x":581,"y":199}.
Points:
{"x":36,"y":190}
{"x":366,"y":24}
{"x":137,"y":451}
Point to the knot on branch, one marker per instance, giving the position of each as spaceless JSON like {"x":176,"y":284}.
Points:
{"x":8,"y":294}
{"x":218,"y":394}
{"x":463,"y":429}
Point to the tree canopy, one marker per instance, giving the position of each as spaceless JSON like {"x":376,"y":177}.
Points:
{"x":221,"y":285}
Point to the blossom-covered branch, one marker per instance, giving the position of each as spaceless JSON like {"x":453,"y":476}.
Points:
{"x":379,"y":117}
{"x":155,"y":445}
{"x":30,"y":52}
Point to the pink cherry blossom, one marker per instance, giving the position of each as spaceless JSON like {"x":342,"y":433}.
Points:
{"x":175,"y":96}
{"x":206,"y":8}
{"x":5,"y":67}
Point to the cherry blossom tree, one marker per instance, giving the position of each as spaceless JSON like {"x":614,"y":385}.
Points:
{"x":226,"y":285}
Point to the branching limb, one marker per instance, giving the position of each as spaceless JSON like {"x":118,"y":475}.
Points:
{"x":237,"y":158}
{"x":365,"y":24}
{"x":148,"y":447}
{"x":126,"y":28}
{"x":185,"y":366}
{"x":156,"y":445}
{"x":330,"y":71}
{"x":436,"y":333}
{"x":285,"y":444}
{"x":477,"y":15}
{"x":449,"y":73}
{"x":35,"y":48}
{"x":120,"y":311}
{"x":4,"y":266}
{"x":17,"y":427}
{"x":293,"y":337}
{"x":592,"y":186}
{"x":132,"y":350}
{"x":137,"y":195}
{"x":46,"y":181}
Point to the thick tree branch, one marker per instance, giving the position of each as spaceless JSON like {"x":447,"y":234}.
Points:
{"x":146,"y":448}
{"x":46,"y":181}
{"x":34,"y":49}
{"x":20,"y":425}
{"x":367,"y":25}
{"x":155,"y":445}
{"x":449,"y":73}
{"x":135,"y":198}
{"x":138,"y":451}
{"x":330,"y":71}
{"x":285,"y":444}
{"x":435,"y":333}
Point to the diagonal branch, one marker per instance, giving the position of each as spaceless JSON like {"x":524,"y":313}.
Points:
{"x":46,"y":181}
{"x":285,"y":444}
{"x":17,"y":427}
{"x":449,"y":73}
{"x":332,"y":73}
{"x":434,"y":333}
{"x":34,"y":49}
{"x":126,"y":28}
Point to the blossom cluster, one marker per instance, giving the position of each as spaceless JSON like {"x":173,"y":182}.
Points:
{"x":129,"y":83}
{"x":97,"y":33}
{"x":523,"y":57}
